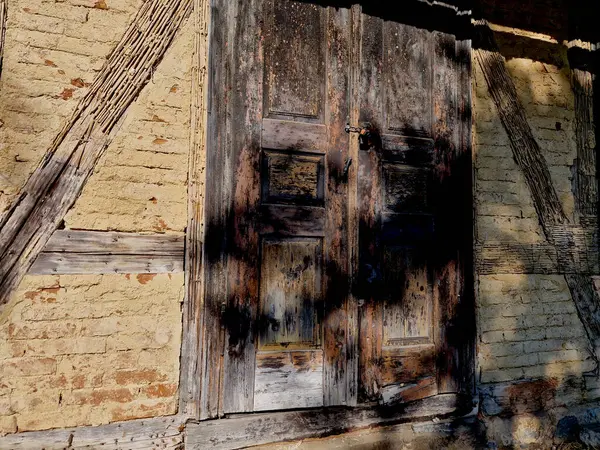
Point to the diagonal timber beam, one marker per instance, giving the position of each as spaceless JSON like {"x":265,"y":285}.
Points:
{"x":528,"y":156}
{"x":58,"y":180}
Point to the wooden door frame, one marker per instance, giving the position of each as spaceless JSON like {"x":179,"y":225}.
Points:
{"x":202,"y":347}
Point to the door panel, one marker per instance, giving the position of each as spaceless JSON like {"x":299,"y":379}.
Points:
{"x":285,"y":343}
{"x":396,"y":217}
{"x":285,"y":201}
{"x":290,"y":293}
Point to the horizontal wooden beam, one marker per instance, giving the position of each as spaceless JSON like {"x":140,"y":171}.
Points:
{"x":96,"y":252}
{"x":538,"y":258}
{"x":240,"y":431}
{"x":111,"y":242}
{"x":160,"y":432}
{"x":255,"y":429}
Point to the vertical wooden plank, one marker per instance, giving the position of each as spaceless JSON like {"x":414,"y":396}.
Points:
{"x":336,"y":222}
{"x":190,"y":372}
{"x":217,"y":206}
{"x":446,"y":191}
{"x":353,"y":234}
{"x":245,"y":124}
{"x":3,"y":12}
{"x":369,"y":192}
{"x":585,"y":189}
{"x":465,"y":340}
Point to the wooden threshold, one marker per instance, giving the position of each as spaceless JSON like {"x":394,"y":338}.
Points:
{"x":244,"y":430}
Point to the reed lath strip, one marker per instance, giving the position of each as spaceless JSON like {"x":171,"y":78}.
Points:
{"x":3,"y":8}
{"x":58,"y":180}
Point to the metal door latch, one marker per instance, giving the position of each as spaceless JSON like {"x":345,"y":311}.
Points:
{"x":346,"y":167}
{"x":365,"y":132}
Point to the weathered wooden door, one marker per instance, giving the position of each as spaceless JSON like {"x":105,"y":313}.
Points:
{"x":408,"y":276}
{"x":302,"y":227}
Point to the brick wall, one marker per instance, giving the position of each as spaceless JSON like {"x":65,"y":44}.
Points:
{"x":140,"y":184}
{"x":531,"y":343}
{"x":93,"y":349}
{"x":89,"y":349}
{"x":52,"y":52}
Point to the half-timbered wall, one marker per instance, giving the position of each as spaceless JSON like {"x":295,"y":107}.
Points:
{"x":533,"y":349}
{"x":90,"y":349}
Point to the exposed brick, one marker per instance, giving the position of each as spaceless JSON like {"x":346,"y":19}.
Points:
{"x":17,"y":367}
{"x":105,"y":395}
{"x":160,"y":390}
{"x":136,"y":377}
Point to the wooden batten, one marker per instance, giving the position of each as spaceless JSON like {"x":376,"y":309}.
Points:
{"x":575,"y":252}
{"x":585,"y":186}
{"x":191,"y":345}
{"x":95,"y":252}
{"x":3,"y":13}
{"x":59,"y":179}
{"x":240,"y":431}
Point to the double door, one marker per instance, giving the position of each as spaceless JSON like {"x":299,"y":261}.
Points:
{"x":332,"y":263}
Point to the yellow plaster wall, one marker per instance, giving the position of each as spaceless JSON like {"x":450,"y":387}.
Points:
{"x":52,"y":52}
{"x":89,"y":349}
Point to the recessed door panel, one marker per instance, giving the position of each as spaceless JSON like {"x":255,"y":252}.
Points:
{"x":290,"y":293}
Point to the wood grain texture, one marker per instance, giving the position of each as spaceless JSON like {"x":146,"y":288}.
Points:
{"x":81,"y":263}
{"x":298,"y":375}
{"x":336,"y":266}
{"x":79,"y":252}
{"x":217,"y":208}
{"x":585,"y":182}
{"x":191,"y":348}
{"x":255,"y":429}
{"x":243,"y":240}
{"x":56,"y":183}
{"x":407,"y":392}
{"x":294,"y":59}
{"x":541,"y":258}
{"x":352,"y":309}
{"x":292,"y":178}
{"x":290,"y":292}
{"x":157,"y":433}
{"x":293,"y":135}
{"x":113,"y":242}
{"x":407,"y":80}
{"x":405,"y":365}
{"x":368,"y":283}
{"x":292,"y":220}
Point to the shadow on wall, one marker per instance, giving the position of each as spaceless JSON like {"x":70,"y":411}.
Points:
{"x":533,"y":352}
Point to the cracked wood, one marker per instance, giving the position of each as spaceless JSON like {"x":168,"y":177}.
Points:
{"x":94,"y":252}
{"x":58,"y":180}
